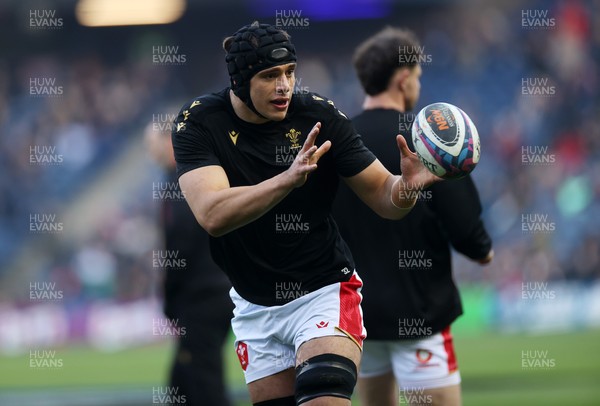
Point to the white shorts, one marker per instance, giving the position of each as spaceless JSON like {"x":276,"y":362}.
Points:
{"x":417,"y":364}
{"x":267,"y":337}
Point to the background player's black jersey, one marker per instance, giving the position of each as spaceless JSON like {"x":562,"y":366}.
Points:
{"x":187,"y":289}
{"x":406,"y":265}
{"x":295,"y":247}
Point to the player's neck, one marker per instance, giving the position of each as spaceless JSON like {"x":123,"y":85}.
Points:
{"x":243,"y":111}
{"x":384,"y":101}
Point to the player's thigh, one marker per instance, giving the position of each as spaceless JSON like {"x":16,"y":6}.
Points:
{"x":338,"y":345}
{"x":279,"y":385}
{"x":376,"y":382}
{"x":426,"y":370}
{"x":446,"y":396}
{"x":378,"y":390}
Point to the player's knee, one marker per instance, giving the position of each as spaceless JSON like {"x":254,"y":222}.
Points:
{"x":287,"y":401}
{"x":325,"y":375}
{"x":448,"y":395}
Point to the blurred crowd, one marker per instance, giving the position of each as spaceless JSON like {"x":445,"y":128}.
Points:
{"x":63,"y":123}
{"x":533,"y":92}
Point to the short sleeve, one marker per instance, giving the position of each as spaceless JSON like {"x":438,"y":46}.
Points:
{"x":349,"y":152}
{"x":192,"y":145}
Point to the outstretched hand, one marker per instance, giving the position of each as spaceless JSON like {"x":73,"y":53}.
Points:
{"x":414,"y":174}
{"x":307,"y":158}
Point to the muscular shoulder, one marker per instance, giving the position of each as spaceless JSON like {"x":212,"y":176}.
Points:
{"x":199,"y":109}
{"x":320,"y":106}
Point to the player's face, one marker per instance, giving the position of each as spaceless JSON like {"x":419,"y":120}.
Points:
{"x":412,"y":89}
{"x":271,"y":91}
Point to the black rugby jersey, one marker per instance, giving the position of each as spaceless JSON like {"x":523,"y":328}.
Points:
{"x":186,"y":290}
{"x":295,"y":247}
{"x":406,"y":264}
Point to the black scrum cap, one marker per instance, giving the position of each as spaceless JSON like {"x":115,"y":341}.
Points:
{"x":256,"y":47}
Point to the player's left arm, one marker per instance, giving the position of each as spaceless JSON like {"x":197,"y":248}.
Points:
{"x":392,"y":196}
{"x":458,"y":208}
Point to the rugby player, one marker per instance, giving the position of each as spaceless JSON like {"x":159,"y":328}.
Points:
{"x":410,"y":296}
{"x":196,"y":297}
{"x":259,"y":167}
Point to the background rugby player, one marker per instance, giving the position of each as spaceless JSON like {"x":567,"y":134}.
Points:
{"x":410,"y":298}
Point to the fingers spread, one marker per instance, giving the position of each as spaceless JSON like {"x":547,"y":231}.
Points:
{"x":311,"y":151}
{"x":322,"y":150}
{"x":312,"y":136}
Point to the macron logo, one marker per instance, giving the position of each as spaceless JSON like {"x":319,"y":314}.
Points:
{"x":234,"y":136}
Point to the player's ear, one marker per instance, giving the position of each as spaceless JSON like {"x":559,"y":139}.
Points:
{"x":227,"y":43}
{"x":400,"y":78}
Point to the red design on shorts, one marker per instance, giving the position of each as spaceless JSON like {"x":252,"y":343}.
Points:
{"x":350,"y":314}
{"x":242,"y":353}
{"x":423,"y":356}
{"x":322,"y":324}
{"x":449,"y":347}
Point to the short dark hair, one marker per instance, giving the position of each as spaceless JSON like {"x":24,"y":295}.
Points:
{"x":378,"y":57}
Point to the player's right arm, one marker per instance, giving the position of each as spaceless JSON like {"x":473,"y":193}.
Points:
{"x":220,"y":208}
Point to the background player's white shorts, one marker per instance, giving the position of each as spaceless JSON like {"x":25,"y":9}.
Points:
{"x":417,"y":364}
{"x":267,"y":337}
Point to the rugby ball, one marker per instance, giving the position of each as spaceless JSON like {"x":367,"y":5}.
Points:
{"x":446,"y":140}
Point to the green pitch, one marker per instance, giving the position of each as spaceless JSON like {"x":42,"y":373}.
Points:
{"x":560,"y":369}
{"x":495,"y":371}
